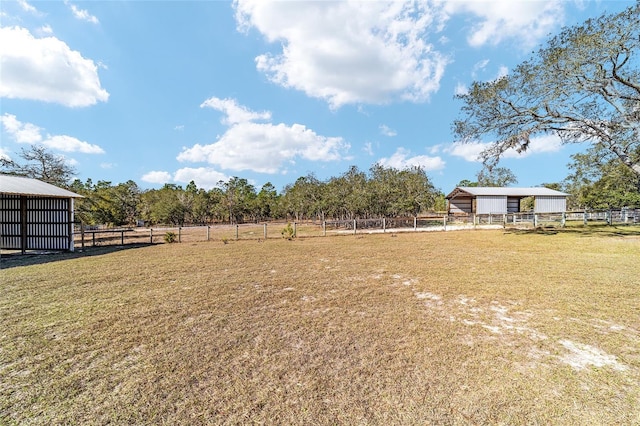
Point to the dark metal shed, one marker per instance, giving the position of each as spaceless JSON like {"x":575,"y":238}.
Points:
{"x":35,"y":215}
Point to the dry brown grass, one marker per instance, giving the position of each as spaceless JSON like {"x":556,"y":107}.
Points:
{"x":474,"y":327}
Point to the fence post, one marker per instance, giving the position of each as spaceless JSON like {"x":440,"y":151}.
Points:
{"x":93,"y":239}
{"x":535,"y":220}
{"x":584,"y":217}
{"x":295,"y":229}
{"x":490,"y":219}
{"x":444,"y":222}
{"x":415,"y":223}
{"x":122,"y":237}
{"x":563,"y":222}
{"x":151,"y":235}
{"x":324,"y":228}
{"x":208,"y":232}
{"x":384,"y":224}
{"x":237,"y":230}
{"x":609,"y":216}
{"x":179,"y":234}
{"x":82,"y":235}
{"x":354,"y":226}
{"x":265,"y":231}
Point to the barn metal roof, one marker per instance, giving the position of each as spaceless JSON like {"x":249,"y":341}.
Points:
{"x":509,"y":192}
{"x":17,"y":185}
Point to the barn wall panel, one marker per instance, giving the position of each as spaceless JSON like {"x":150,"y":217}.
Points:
{"x":545,"y":204}
{"x":460,"y":205}
{"x":491,"y":204}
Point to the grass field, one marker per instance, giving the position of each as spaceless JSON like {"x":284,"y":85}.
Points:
{"x":469,"y":327}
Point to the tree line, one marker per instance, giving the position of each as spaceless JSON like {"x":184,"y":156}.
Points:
{"x":383,"y":192}
{"x":597,"y":181}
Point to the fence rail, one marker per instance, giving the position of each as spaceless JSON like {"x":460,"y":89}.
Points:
{"x":436,"y":222}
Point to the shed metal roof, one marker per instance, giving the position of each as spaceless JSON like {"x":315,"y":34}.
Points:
{"x":17,"y":185}
{"x":509,"y":192}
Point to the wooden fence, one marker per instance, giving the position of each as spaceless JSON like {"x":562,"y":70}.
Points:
{"x":270,"y":230}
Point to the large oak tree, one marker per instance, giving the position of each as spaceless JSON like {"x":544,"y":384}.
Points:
{"x":583,"y":86}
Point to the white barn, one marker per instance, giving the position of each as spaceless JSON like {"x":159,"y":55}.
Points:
{"x":35,"y":215}
{"x":497,"y":200}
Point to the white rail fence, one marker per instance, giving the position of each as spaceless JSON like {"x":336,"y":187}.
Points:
{"x":437,"y":222}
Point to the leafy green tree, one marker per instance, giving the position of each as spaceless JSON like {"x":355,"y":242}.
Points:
{"x":39,"y":164}
{"x":583,"y":86}
{"x":267,"y":200}
{"x":305,"y":198}
{"x":163,"y":206}
{"x":239,"y":198}
{"x":598,"y":181}
{"x":496,"y":176}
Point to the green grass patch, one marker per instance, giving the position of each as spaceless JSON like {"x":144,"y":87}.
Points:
{"x":469,"y":327}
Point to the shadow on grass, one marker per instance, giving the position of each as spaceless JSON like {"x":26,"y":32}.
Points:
{"x":16,"y":259}
{"x":582,"y":230}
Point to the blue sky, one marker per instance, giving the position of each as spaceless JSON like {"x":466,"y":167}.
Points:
{"x":173,"y":91}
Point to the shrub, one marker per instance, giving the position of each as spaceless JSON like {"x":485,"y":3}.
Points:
{"x":288,"y":232}
{"x":170,"y":237}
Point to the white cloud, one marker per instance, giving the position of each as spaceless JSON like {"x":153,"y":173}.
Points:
{"x":368,"y":148}
{"x":461,"y":89}
{"x":469,"y":151}
{"x":46,"y":69}
{"x":525,"y":21}
{"x":349,"y":52}
{"x":401,"y":160}
{"x":27,"y":7}
{"x":71,"y":144}
{"x":30,"y":133}
{"x":538,"y":145}
{"x":20,"y":132}
{"x":82,"y":14}
{"x":4,"y":154}
{"x":204,"y":177}
{"x":261,"y":147}
{"x":160,"y":177}
{"x":234,"y":113}
{"x":387,"y":131}
{"x":45,"y":30}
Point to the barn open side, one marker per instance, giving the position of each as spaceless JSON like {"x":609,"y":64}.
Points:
{"x":498,"y":200}
{"x":35,"y":215}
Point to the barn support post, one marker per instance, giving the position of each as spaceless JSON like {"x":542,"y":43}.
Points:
{"x":23,"y":224}
{"x":82,"y":235}
{"x":70,"y":228}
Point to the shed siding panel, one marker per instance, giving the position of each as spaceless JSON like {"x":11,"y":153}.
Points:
{"x":550,"y":204}
{"x":491,"y":204}
{"x":460,"y":205}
